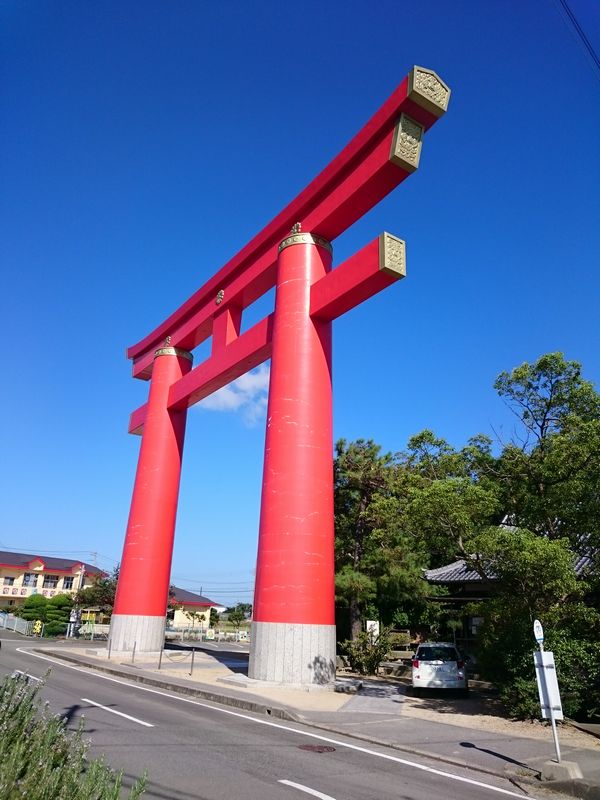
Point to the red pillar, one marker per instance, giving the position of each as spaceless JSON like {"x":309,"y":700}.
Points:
{"x":143,"y":587}
{"x":293,"y":636}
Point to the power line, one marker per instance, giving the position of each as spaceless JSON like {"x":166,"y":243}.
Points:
{"x":35,"y":551}
{"x":207,"y":589}
{"x":212,"y":584}
{"x":580,"y":34}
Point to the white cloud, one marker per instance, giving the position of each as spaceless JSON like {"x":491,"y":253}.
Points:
{"x":247,"y":394}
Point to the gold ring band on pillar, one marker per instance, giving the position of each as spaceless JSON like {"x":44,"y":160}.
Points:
{"x":305,"y":238}
{"x":173,"y":351}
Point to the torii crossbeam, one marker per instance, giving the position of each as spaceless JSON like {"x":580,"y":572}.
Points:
{"x":293,"y":633}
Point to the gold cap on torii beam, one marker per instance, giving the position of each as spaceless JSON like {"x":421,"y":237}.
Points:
{"x":167,"y":350}
{"x":297,"y":237}
{"x":428,"y":90}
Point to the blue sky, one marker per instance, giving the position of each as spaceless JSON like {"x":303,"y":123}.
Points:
{"x":143,"y":144}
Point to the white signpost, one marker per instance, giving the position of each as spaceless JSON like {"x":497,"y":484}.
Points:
{"x":547,"y":682}
{"x":373,"y":629}
{"x":538,"y":632}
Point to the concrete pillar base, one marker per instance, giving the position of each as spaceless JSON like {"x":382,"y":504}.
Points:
{"x":146,"y":633}
{"x":292,"y":654}
{"x":565,"y":771}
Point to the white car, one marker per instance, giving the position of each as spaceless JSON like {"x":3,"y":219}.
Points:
{"x":438,"y":665}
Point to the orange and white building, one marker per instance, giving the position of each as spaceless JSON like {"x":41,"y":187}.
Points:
{"x":25,"y":574}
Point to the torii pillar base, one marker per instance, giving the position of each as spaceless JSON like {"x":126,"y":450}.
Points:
{"x":293,"y":654}
{"x":144,"y":634}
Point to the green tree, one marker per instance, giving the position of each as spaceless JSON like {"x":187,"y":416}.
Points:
{"x":58,"y":611}
{"x":548,"y":479}
{"x":33,"y":608}
{"x":236,"y":617}
{"x":450,"y":497}
{"x":521,"y":516}
{"x":53,"y":612}
{"x":536,"y":580}
{"x":550,"y":471}
{"x":100,"y":595}
{"x":378,"y":564}
{"x":361,"y":476}
{"x":197,"y":617}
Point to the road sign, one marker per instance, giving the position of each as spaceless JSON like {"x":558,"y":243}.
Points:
{"x":538,"y":631}
{"x":545,"y":672}
{"x":547,"y":682}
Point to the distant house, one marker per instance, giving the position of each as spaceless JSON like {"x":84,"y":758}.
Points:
{"x":466,"y":585}
{"x":25,"y":574}
{"x":185,"y":601}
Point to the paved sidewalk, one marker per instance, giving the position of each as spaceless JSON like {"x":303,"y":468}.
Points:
{"x":467,"y":733}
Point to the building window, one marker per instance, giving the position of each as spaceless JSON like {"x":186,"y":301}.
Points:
{"x":50,"y":581}
{"x":9,"y":580}
{"x":68,"y":582}
{"x":30,"y":579}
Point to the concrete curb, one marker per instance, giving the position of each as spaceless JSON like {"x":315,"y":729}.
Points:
{"x":575,"y":788}
{"x":205,"y":694}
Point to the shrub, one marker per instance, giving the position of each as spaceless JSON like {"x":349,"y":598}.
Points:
{"x":366,"y":652}
{"x":55,"y":628}
{"x":41,"y":760}
{"x":506,"y":658}
{"x":58,"y":611}
{"x":34,"y":607}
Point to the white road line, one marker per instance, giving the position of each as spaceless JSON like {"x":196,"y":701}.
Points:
{"x":279,"y":726}
{"x":308,"y":790}
{"x":25,"y":675}
{"x":112,"y":711}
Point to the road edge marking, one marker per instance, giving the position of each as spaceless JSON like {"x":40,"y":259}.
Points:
{"x":301,"y":787}
{"x":114,"y":711}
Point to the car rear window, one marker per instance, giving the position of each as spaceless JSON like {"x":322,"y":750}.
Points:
{"x":437,"y":654}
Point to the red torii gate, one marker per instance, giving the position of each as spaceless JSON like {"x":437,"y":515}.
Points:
{"x":293,"y":633}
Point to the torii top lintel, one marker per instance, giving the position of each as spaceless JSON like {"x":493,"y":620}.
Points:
{"x":381,"y":155}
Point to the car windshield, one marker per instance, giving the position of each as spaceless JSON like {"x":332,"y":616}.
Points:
{"x":433,"y":653}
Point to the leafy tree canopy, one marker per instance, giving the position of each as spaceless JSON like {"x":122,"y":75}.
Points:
{"x":520,"y":510}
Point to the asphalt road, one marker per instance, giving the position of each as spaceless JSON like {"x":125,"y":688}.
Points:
{"x":195,"y":749}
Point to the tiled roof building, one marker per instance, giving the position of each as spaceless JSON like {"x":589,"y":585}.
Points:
{"x":25,"y":574}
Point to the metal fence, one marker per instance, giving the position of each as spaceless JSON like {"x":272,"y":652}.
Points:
{"x":94,"y":630}
{"x":12,"y":623}
{"x":188,"y":633}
